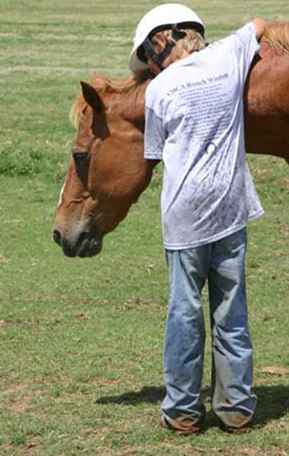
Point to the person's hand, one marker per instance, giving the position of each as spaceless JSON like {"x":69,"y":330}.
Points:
{"x":260,"y":25}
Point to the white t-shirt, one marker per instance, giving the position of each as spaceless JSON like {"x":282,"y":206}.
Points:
{"x":195,"y":124}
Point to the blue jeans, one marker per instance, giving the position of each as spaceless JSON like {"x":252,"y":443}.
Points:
{"x":222,"y":264}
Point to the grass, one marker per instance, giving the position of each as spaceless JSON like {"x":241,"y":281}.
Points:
{"x":81,"y":340}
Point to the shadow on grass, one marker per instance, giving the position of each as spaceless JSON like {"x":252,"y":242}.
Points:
{"x":148,"y":394}
{"x":273,"y":401}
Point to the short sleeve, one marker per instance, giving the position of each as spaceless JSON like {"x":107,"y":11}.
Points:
{"x":154,"y":135}
{"x":245,"y":46}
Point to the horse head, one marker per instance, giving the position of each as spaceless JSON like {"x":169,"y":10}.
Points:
{"x":106,"y":172}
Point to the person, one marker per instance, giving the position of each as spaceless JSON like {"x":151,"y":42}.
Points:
{"x":195,"y":125}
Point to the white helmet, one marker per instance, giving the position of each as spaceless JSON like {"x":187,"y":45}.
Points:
{"x":162,"y":15}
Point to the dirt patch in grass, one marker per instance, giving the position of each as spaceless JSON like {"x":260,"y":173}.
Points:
{"x":192,"y":450}
{"x":257,"y":452}
{"x":15,"y":388}
{"x":275,"y":371}
{"x":100,"y":432}
{"x":20,"y":405}
{"x":263,"y":174}
{"x":105,"y":382}
{"x":229,"y":451}
{"x":3,"y":259}
{"x":15,"y":403}
{"x":284,"y":183}
{"x":18,"y":322}
{"x":260,"y":452}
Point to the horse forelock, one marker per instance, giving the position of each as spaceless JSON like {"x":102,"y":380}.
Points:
{"x":76,"y":110}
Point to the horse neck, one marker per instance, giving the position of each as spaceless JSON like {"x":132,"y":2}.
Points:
{"x":134,"y":104}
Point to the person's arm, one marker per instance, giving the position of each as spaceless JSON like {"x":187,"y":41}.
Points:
{"x":154,"y":134}
{"x":260,"y":25}
{"x":245,"y":44}
{"x":154,"y":137}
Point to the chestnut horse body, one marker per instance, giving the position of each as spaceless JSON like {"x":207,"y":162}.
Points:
{"x":107,"y":171}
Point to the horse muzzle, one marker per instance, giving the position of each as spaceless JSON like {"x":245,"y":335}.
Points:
{"x":83,"y":244}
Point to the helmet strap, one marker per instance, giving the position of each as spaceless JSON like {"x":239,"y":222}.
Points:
{"x":177,"y":34}
{"x":158,"y":59}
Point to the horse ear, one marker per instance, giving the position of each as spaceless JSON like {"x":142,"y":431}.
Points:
{"x":91,"y":97}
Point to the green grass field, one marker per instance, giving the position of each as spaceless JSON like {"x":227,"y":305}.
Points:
{"x":81,"y":340}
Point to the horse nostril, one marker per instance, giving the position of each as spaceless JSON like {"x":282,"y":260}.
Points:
{"x":57,"y":237}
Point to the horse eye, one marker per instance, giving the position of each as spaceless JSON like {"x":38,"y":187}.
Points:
{"x":79,"y":156}
{"x":81,"y":160}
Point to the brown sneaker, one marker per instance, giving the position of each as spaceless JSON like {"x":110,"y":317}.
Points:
{"x":238,"y":424}
{"x":182,"y":425}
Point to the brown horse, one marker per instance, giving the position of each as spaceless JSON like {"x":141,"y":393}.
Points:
{"x":107,"y":171}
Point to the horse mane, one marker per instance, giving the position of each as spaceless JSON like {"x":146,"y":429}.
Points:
{"x":105,"y":85}
{"x":276,"y":35}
